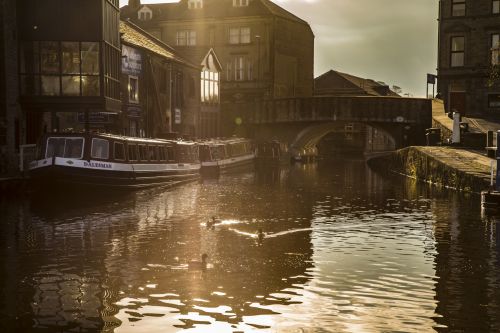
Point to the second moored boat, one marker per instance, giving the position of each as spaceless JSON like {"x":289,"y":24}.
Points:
{"x":224,"y":155}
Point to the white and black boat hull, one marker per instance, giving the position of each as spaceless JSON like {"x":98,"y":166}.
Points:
{"x":61,"y":171}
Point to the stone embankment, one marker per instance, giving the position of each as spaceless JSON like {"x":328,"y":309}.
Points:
{"x":456,"y":168}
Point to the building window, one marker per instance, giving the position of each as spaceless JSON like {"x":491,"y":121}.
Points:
{"x":495,"y":49}
{"x":195,"y":4}
{"x":495,"y":9}
{"x":457,"y":51}
{"x":209,"y":87}
{"x":60,"y":68}
{"x":133,"y":89}
{"x":494,"y":100}
{"x":240,"y":69}
{"x":186,"y":38}
{"x":240,"y":35}
{"x":240,"y":3}
{"x":458,"y":8}
{"x":144,"y":16}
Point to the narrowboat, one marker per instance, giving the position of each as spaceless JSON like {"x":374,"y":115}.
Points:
{"x":113,"y":161}
{"x":220,"y":156}
{"x":269,"y":153}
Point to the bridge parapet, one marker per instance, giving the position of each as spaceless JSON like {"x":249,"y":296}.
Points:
{"x":351,"y":109}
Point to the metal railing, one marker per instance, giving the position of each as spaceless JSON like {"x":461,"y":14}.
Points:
{"x":27,"y":154}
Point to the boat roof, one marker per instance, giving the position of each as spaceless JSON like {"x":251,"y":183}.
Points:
{"x":121,"y":138}
{"x":221,"y":142}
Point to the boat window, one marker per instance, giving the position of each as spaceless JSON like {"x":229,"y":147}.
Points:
{"x":64,"y":147}
{"x":132,"y":152}
{"x":143,"y":153}
{"x":163,"y":153}
{"x":157,"y":153}
{"x":119,"y":150}
{"x":170,"y":154}
{"x":100,"y":149}
{"x":205,"y":155}
{"x":151,"y":153}
{"x":74,"y":148}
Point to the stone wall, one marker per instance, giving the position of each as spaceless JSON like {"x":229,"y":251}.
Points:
{"x":426,"y":164}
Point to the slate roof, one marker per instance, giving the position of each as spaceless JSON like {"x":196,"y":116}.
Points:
{"x":133,"y":35}
{"x":211,"y":9}
{"x":338,"y":83}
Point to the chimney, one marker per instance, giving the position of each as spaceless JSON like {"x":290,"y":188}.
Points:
{"x":134,"y":3}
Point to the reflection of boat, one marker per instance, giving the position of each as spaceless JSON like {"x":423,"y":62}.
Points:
{"x":218,"y":156}
{"x":112,"y":161}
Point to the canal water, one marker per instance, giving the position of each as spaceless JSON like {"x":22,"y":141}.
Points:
{"x":346,"y":250}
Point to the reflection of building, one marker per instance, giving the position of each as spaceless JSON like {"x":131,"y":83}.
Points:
{"x":264,"y":50}
{"x":468,"y":48}
{"x":353,"y":137}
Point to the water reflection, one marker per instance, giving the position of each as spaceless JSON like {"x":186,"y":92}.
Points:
{"x":345,"y":250}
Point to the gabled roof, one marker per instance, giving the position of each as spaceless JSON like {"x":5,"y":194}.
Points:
{"x":211,"y":9}
{"x":133,"y":35}
{"x":215,"y":61}
{"x":338,"y":83}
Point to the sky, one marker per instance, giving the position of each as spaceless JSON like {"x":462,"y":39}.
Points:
{"x":394,"y":41}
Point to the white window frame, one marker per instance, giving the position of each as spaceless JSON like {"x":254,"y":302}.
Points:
{"x":239,"y":69}
{"x":92,"y":149}
{"x":185,"y":38}
{"x":240,"y":35}
{"x":195,"y":4}
{"x":210,"y":87}
{"x":240,"y":3}
{"x":495,"y":7}
{"x":456,"y":52}
{"x":64,"y":149}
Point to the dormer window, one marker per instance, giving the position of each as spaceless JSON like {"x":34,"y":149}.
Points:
{"x":145,"y":14}
{"x":240,"y":3}
{"x":195,"y":4}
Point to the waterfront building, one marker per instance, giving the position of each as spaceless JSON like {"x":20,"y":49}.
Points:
{"x":264,"y":51}
{"x":74,"y":66}
{"x":9,"y":111}
{"x":468,"y":49}
{"x":160,"y":90}
{"x":353,"y":137}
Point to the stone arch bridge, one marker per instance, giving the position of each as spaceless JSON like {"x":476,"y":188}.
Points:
{"x":303,"y":122}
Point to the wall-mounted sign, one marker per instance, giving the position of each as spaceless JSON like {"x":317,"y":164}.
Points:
{"x":177,"y":116}
{"x":95,"y":117}
{"x":131,"y":61}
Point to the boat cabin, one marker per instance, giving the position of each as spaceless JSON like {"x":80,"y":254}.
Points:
{"x":119,"y":149}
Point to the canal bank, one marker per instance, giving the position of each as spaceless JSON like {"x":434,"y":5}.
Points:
{"x":457,"y":168}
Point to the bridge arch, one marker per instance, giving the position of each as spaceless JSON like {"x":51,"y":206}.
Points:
{"x":306,"y":141}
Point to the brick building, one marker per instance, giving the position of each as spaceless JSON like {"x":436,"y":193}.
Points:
{"x":72,"y":65}
{"x":264,"y":51}
{"x":9,"y":111}
{"x":469,"y":33}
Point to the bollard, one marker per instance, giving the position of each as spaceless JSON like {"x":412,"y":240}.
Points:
{"x":455,"y":137}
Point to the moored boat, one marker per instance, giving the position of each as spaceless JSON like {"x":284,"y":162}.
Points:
{"x":269,"y":153}
{"x":113,"y":161}
{"x":219,"y":156}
